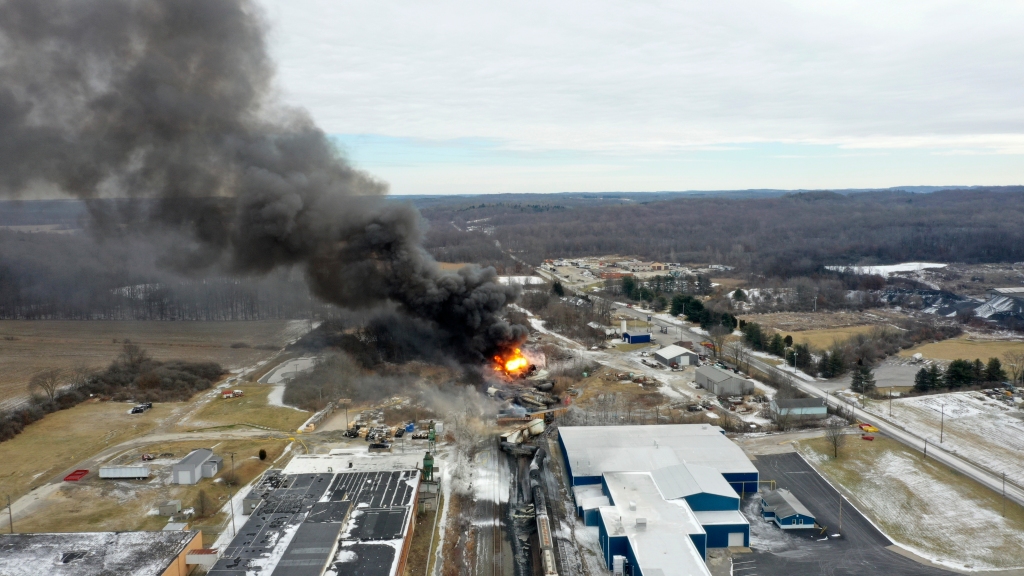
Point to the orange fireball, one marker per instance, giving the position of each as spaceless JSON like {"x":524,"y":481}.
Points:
{"x":514,"y":363}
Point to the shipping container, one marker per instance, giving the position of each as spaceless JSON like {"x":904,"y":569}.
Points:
{"x":124,"y":472}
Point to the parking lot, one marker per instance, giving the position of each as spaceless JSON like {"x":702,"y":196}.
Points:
{"x":861,"y":548}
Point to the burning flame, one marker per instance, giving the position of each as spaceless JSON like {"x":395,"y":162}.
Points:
{"x":514,"y":363}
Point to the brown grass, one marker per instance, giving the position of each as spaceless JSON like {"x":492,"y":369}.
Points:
{"x":252,"y":408}
{"x":27,"y":347}
{"x":452,"y":266}
{"x":101,"y":505}
{"x":965,"y":347}
{"x":823,"y":339}
{"x":60,"y":440}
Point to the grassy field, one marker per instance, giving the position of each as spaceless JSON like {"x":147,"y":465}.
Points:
{"x":252,"y":408}
{"x":102,"y":505}
{"x":922,"y":505}
{"x":27,"y":347}
{"x":822,"y":339}
{"x":965,"y":347}
{"x":62,"y":439}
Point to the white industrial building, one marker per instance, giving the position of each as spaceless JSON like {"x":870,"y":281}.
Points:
{"x":674,"y":356}
{"x":199,"y":464}
{"x":659,"y":496}
{"x":722,"y":382}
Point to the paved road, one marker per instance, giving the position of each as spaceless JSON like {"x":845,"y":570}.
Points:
{"x":860,"y":550}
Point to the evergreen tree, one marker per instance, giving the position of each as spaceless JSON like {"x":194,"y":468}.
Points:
{"x":739,"y":295}
{"x":802,"y":357}
{"x":558,"y":289}
{"x":994,"y":371}
{"x":959,"y":373}
{"x":857,"y":381}
{"x":934,"y":377}
{"x":788,"y":341}
{"x":922,"y":380}
{"x":776,"y":345}
{"x":867,"y":379}
{"x":977,"y":371}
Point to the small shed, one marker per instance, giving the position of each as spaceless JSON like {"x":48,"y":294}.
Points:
{"x":782,"y":507}
{"x":190,"y":469}
{"x":212,"y":466}
{"x":170,"y":507}
{"x":722,"y":383}
{"x":799,"y":408}
{"x":636,"y":338}
{"x":676,"y":356}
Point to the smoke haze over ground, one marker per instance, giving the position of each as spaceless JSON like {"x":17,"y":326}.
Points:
{"x":172,"y":102}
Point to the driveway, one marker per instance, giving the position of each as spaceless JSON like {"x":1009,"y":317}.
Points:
{"x":860,"y":550}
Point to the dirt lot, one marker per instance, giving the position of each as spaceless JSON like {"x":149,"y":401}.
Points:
{"x":965,"y":347}
{"x":251,"y":409}
{"x":57,"y":442}
{"x":922,"y":505}
{"x":97,"y":504}
{"x":975,"y":279}
{"x":27,"y":347}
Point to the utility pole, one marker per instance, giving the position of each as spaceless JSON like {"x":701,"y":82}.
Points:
{"x":890,"y":401}
{"x":10,"y":512}
{"x":231,"y":500}
{"x":1004,"y":494}
{"x":926,"y":448}
{"x":840,"y":514}
{"x":942,"y":422}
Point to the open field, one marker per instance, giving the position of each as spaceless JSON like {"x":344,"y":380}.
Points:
{"x":822,"y":339}
{"x":793,"y":322}
{"x":975,"y":427}
{"x":97,"y":504}
{"x":965,"y":347}
{"x":924,"y":506}
{"x":27,"y":347}
{"x":452,"y":266}
{"x":62,"y":439}
{"x":251,"y":409}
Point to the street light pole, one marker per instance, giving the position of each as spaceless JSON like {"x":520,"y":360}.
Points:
{"x":10,"y":511}
{"x":840,"y":514}
{"x":231,"y":500}
{"x":890,"y":401}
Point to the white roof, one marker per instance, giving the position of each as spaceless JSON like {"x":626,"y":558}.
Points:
{"x":595,"y":502}
{"x":584,"y":491}
{"x":715,"y":373}
{"x":594,"y":450}
{"x":360,"y":459}
{"x":713,"y":517}
{"x":673,"y":351}
{"x":684,"y":480}
{"x":662,"y":543}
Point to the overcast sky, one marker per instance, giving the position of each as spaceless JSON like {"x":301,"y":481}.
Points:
{"x":481,"y":97}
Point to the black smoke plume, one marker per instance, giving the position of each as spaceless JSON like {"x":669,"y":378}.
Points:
{"x":171,"y":101}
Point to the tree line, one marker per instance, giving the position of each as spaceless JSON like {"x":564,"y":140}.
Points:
{"x":962,"y":373}
{"x":133,"y":375}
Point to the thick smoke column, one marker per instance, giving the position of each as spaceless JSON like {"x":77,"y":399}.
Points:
{"x":170,"y":100}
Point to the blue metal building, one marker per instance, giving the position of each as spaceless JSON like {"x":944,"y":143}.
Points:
{"x":782,"y":507}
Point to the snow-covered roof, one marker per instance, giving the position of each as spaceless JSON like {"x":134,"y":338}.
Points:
{"x":715,"y":374}
{"x":784,"y":504}
{"x":660,"y":541}
{"x":684,"y":480}
{"x":1017,"y":291}
{"x":92,"y":553}
{"x":195,"y":458}
{"x":673,"y":351}
{"x":594,"y":450}
{"x":712,"y":517}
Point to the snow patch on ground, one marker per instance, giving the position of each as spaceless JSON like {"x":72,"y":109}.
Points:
{"x":521,"y":280}
{"x":889,"y":269}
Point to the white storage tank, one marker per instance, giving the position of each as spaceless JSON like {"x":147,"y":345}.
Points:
{"x":123,"y":472}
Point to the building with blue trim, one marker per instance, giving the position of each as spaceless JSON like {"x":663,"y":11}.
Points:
{"x":635,"y":338}
{"x":648,"y":489}
{"x":782,"y":507}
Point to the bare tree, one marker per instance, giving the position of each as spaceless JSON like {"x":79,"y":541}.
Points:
{"x":79,"y":374}
{"x":1014,"y":363}
{"x":132,"y":355}
{"x":719,"y":335}
{"x":783,"y":419}
{"x":739,"y":353}
{"x":835,"y":435}
{"x":47,"y":382}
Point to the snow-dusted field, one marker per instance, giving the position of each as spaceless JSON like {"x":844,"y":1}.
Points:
{"x":925,"y":507}
{"x":891,"y":268}
{"x":977,"y":428}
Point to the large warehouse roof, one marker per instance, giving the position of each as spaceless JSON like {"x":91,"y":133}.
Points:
{"x":92,"y":553}
{"x":672,"y":351}
{"x":594,"y":450}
